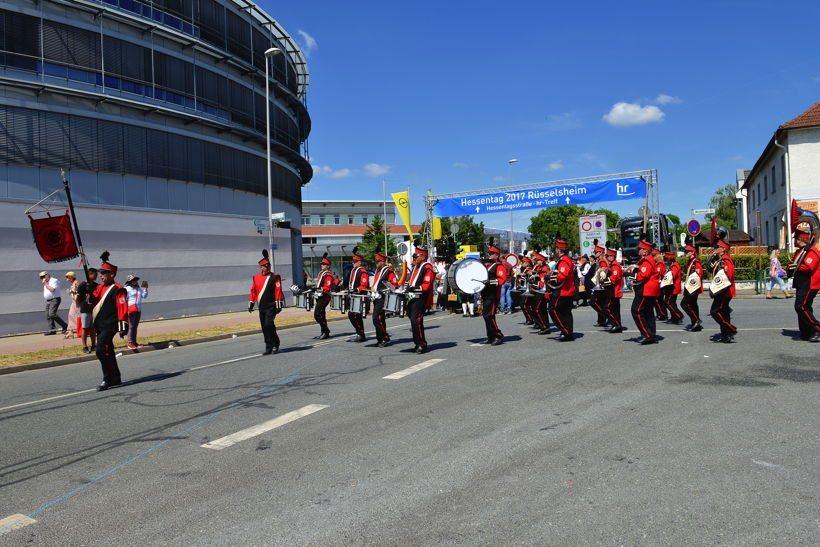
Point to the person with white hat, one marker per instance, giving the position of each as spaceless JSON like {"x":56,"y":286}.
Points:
{"x":51,"y":293}
{"x":136,"y":294}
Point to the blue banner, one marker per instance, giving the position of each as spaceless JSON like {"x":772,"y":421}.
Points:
{"x":540,"y":198}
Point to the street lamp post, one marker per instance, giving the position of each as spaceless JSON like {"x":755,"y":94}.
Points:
{"x":268,"y":54}
{"x":509,"y":182}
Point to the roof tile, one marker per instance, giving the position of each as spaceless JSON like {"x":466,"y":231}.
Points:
{"x":809,"y":118}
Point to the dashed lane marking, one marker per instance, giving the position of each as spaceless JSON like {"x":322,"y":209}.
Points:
{"x":415,"y":368}
{"x":264,"y":427}
{"x":13,"y":522}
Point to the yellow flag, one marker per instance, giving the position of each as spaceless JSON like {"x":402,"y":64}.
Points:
{"x":402,"y":200}
{"x":436,"y":228}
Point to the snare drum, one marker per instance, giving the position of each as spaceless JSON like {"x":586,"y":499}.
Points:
{"x":305,"y":300}
{"x":359,"y":304}
{"x":339,"y":302}
{"x":394,"y":302}
{"x":469,"y":275}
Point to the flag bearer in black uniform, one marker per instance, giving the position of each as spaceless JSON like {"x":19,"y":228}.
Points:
{"x":110,"y":316}
{"x":266,"y":294}
{"x":496,"y":276}
{"x":357,"y":284}
{"x":421,"y":284}
{"x":324,"y":286}
{"x":384,"y":281}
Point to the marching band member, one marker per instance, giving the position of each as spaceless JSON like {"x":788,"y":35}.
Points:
{"x":266,"y":294}
{"x":806,"y":283}
{"x":563,"y":286}
{"x":384,"y":280}
{"x":647,"y":288}
{"x":720,"y":311}
{"x":357,"y":284}
{"x":541,"y":304}
{"x":660,"y":271}
{"x":496,"y":276}
{"x":670,"y":298}
{"x":421,"y":282}
{"x":526,"y":300}
{"x":689,"y":302}
{"x":599,"y":301}
{"x":614,"y":288}
{"x":110,"y":316}
{"x":324,"y":286}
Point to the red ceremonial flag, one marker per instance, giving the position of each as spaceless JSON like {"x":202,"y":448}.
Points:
{"x":54,"y":238}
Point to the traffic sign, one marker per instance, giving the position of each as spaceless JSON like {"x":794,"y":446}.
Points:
{"x":693,"y":227}
{"x":703,"y":212}
{"x":590,"y":228}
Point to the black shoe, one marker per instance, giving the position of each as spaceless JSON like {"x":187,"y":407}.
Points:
{"x":677,"y":321}
{"x":379,"y":344}
{"x":106,"y":385}
{"x":616,"y":330}
{"x":497,"y":341}
{"x":267,"y":351}
{"x":697,"y":327}
{"x":599,"y":325}
{"x":815,"y":338}
{"x":65,"y":330}
{"x":488,"y":341}
{"x":275,"y":349}
{"x":360,"y":338}
{"x":544,"y":331}
{"x":689,"y":326}
{"x":421,"y":349}
{"x":650,"y":340}
{"x":324,"y":336}
{"x":86,"y":350}
{"x":640,"y":339}
{"x":50,"y":333}
{"x":529,"y":322}
{"x":566,"y":338}
{"x":728,"y":339}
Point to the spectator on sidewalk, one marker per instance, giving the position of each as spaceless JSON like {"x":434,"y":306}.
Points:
{"x":86,"y":310}
{"x":777,"y":275}
{"x":51,"y":294}
{"x":135,"y":296}
{"x":74,"y":310}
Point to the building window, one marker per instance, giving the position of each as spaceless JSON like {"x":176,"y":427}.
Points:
{"x":783,"y":170}
{"x":774,"y":187}
{"x":350,"y":219}
{"x":766,"y":233}
{"x":322,"y":219}
{"x":337,"y":219}
{"x":765,"y":187}
{"x":305,"y":220}
{"x":364,"y":220}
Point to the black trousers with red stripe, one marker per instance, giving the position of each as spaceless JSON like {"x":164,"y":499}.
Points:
{"x":643,"y":312}
{"x":803,"y":303}
{"x":107,"y":356}
{"x":526,"y":301}
{"x":722,"y":313}
{"x":613,"y":309}
{"x":561,"y":311}
{"x":490,"y":303}
{"x":379,"y":321}
{"x":670,"y":301}
{"x":689,"y":303}
{"x":357,"y":321}
{"x":415,"y":312}
{"x":542,"y":316}
{"x":319,"y":311}
{"x":599,"y":303}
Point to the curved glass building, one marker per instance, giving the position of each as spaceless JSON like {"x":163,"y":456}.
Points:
{"x":155,"y":110}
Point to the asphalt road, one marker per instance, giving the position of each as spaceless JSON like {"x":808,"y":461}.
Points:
{"x":596,"y":442}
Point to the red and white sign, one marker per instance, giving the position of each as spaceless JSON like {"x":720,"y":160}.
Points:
{"x":590,"y":228}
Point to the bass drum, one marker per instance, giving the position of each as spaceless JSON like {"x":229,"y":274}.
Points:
{"x":468,"y":275}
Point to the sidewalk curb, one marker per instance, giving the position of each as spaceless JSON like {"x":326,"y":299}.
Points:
{"x":153,"y":347}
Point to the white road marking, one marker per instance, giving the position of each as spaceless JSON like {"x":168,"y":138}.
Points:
{"x":477,"y":345}
{"x":48,"y":399}
{"x":767,"y":464}
{"x":13,"y":522}
{"x":225,"y":362}
{"x":264,"y":427}
{"x":411,"y":370}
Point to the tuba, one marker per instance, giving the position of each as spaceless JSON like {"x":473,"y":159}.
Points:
{"x":552,"y":281}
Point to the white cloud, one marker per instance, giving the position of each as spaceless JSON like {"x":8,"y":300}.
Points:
{"x":327,"y":171}
{"x":663,"y":98}
{"x":375,"y":169}
{"x":624,"y":114}
{"x":310,"y":44}
{"x":554,"y":166}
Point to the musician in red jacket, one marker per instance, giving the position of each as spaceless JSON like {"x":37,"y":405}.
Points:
{"x":720,"y":311}
{"x":614,"y":287}
{"x":526,"y":298}
{"x":325,"y":282}
{"x":110,"y":316}
{"x":420,"y":285}
{"x":689,"y":302}
{"x":266,"y":294}
{"x":490,"y":295}
{"x":647,"y":289}
{"x":660,"y":271}
{"x":384,"y":281}
{"x":600,"y":298}
{"x":540,"y":304}
{"x":670,"y":297}
{"x":805,"y":267}
{"x":358,"y":284}
{"x":563,"y":291}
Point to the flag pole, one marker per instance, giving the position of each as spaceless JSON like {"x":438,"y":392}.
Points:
{"x":384,"y":203}
{"x":67,"y":188}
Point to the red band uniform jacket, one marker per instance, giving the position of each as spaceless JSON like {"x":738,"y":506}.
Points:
{"x":384,"y":277}
{"x":676,"y":285}
{"x":808,"y":273}
{"x":616,"y":276}
{"x":110,"y":306}
{"x":324,"y":282}
{"x":358,"y":283}
{"x":266,"y":290}
{"x":566,"y":275}
{"x":422,"y":278}
{"x":647,"y":276}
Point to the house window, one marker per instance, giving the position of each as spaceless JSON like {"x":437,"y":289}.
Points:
{"x":322,"y":219}
{"x":337,"y":219}
{"x":350,"y":219}
{"x":305,"y":220}
{"x":766,"y":233}
{"x":774,"y":187}
{"x":783,"y":170}
{"x":766,"y":190}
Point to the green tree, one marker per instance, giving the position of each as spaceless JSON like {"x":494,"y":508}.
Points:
{"x":373,"y":240}
{"x":556,"y":221}
{"x":724,"y":204}
{"x":677,"y":227}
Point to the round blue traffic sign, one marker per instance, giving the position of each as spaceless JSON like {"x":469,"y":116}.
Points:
{"x":693,"y":227}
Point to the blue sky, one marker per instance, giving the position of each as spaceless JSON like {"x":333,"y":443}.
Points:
{"x":439,"y":95}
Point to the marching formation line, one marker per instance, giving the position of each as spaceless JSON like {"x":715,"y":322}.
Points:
{"x":415,"y":368}
{"x":264,"y":427}
{"x":13,"y":522}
